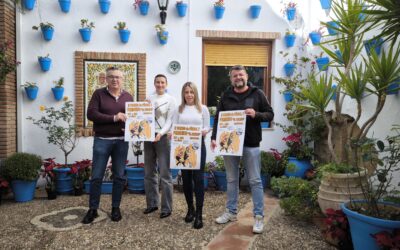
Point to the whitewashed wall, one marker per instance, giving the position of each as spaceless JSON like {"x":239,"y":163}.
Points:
{"x":182,"y":46}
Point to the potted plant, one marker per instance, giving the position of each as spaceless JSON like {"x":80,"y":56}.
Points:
{"x":23,"y":171}
{"x":80,"y":171}
{"x":212,"y":110}
{"x":336,"y":229}
{"x":29,"y":4}
{"x":7,"y":62}
{"x":269,"y":164}
{"x":219,"y":9}
{"x":65,"y":5}
{"x":107,"y":184}
{"x":47,"y":30}
{"x":50,"y":177}
{"x":4,"y":186}
{"x":162,"y":34}
{"x":255,"y":10}
{"x":219,"y":173}
{"x":123,"y":32}
{"x":58,"y":89}
{"x":290,"y":38}
{"x":86,"y":29}
{"x":298,"y":155}
{"x":332,"y":27}
{"x":44,"y":62}
{"x":31,"y":90}
{"x":181,"y":8}
{"x":143,"y":6}
{"x":135,"y":172}
{"x":104,"y":6}
{"x":322,"y":62}
{"x":289,"y":9}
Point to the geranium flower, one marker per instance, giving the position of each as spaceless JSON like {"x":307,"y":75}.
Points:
{"x":42,"y":108}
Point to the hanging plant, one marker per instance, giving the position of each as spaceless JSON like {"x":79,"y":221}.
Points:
{"x":44,"y":62}
{"x":47,"y":30}
{"x":31,"y":90}
{"x":58,"y":90}
{"x":143,"y":6}
{"x":162,"y":34}
{"x":123,"y":31}
{"x":86,"y":30}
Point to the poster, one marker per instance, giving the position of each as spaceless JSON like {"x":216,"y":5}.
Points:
{"x":230,"y":132}
{"x":139,"y":125}
{"x":185,"y":147}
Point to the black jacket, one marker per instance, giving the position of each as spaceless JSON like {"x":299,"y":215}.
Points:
{"x":252,"y":98}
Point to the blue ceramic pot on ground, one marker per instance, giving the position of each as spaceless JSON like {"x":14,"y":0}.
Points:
{"x":106,"y":187}
{"x":326,"y":4}
{"x":291,"y":13}
{"x":289,"y":69}
{"x":332,"y":27}
{"x":63,"y":180}
{"x":301,"y":166}
{"x":65,"y":5}
{"x":363,"y":226}
{"x":135,"y":177}
{"x":315,"y":37}
{"x":31,"y":92}
{"x":86,"y":34}
{"x":181,"y":8}
{"x":58,"y":93}
{"x":124,"y":35}
{"x":29,"y":4}
{"x":255,"y":11}
{"x":104,"y":6}
{"x":323,"y":63}
{"x":144,"y":8}
{"x":219,"y":12}
{"x":289,"y":40}
{"x":206,"y":176}
{"x":265,"y":179}
{"x":220,"y":178}
{"x":45,"y":63}
{"x":288,"y":95}
{"x":47,"y":33}
{"x":23,"y":190}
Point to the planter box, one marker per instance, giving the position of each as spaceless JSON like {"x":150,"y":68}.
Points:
{"x":106,"y":187}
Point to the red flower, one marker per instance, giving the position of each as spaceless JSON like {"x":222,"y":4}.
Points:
{"x":276,"y":154}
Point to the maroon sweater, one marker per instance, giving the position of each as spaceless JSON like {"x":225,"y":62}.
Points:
{"x":101,"y":110}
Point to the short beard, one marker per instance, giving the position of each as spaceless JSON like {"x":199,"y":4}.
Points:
{"x":239,"y":86}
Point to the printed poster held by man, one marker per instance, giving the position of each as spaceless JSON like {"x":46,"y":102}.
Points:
{"x":139,"y":125}
{"x":230,"y":132}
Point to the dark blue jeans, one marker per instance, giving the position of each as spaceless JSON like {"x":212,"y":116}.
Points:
{"x":195,"y":178}
{"x":102,"y":150}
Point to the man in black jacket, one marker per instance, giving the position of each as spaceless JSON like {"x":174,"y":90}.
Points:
{"x":244,"y":96}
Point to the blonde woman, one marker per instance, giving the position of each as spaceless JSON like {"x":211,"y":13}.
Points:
{"x":191,"y":112}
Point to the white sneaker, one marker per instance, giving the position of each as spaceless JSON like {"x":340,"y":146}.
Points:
{"x":226,"y":217}
{"x":258,"y":224}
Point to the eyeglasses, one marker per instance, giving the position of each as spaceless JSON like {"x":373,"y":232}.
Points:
{"x":114,"y":77}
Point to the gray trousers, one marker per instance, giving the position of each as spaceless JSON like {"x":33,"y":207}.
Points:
{"x":158,"y":154}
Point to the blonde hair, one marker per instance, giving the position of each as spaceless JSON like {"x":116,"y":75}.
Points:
{"x":196,"y":97}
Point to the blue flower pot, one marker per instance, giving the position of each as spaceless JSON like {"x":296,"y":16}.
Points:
{"x":58,"y":93}
{"x":315,"y":37}
{"x":174,"y":173}
{"x":288,"y":95}
{"x":220,"y":178}
{"x":29,"y":4}
{"x":334,"y":86}
{"x":265,"y":179}
{"x":206,"y":176}
{"x":375,"y":44}
{"x":289,"y":40}
{"x":212,"y":121}
{"x":163,"y":41}
{"x":340,"y":56}
{"x":124,"y":35}
{"x":265,"y":125}
{"x":219,"y":12}
{"x":135,"y":177}
{"x":45,"y":63}
{"x":323,"y":63}
{"x":332,"y":27}
{"x":393,"y":88}
{"x":144,"y":8}
{"x":326,"y":4}
{"x":47,"y":33}
{"x":255,"y":11}
{"x":65,"y":5}
{"x":63,"y":180}
{"x":31,"y":92}
{"x":301,"y":167}
{"x":290,"y":13}
{"x":86,"y":33}
{"x":181,"y":9}
{"x":106,"y":187}
{"x":23,"y":190}
{"x":362,"y":227}
{"x":104,"y":6}
{"x":289,"y":69}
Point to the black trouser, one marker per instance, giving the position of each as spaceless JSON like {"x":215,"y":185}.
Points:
{"x":195,"y":177}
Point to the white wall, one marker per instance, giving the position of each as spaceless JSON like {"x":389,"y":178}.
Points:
{"x":182,"y":46}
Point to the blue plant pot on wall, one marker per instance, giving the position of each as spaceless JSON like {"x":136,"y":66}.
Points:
{"x":86,"y":34}
{"x":289,"y":69}
{"x":375,"y":44}
{"x":45,"y":63}
{"x":332,"y":27}
{"x":393,"y":88}
{"x":315,"y":37}
{"x":212,"y":121}
{"x":334,"y":86}
{"x":47,"y":33}
{"x":29,"y":4}
{"x":326,"y":4}
{"x":161,"y":40}
{"x":219,"y":12}
{"x":65,"y":5}
{"x":301,"y":167}
{"x":58,"y":93}
{"x":31,"y":92}
{"x":265,"y":125}
{"x":323,"y":63}
{"x":289,"y":40}
{"x":144,"y":8}
{"x":255,"y":11}
{"x":290,"y":13}
{"x":23,"y":190}
{"x":181,"y":8}
{"x":339,"y":56}
{"x":104,"y":6}
{"x":124,"y":35}
{"x":288,"y":95}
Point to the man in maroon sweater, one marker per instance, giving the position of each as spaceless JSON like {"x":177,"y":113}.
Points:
{"x":107,"y":112}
